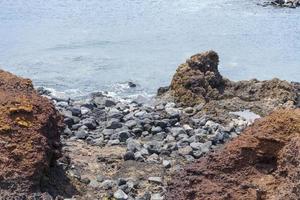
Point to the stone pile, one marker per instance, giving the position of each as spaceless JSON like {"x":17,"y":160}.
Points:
{"x":161,"y":135}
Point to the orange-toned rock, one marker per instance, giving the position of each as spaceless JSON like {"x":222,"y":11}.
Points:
{"x":263,"y":163}
{"x":29,"y":136}
{"x":198,"y":81}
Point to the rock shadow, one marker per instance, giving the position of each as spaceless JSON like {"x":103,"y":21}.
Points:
{"x":57,"y":183}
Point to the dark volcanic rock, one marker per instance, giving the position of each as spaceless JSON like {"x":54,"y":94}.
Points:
{"x":284,"y":3}
{"x":263,"y":163}
{"x":29,"y":137}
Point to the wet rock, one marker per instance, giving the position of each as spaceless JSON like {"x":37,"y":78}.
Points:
{"x":162,"y":90}
{"x":109,"y":103}
{"x":131,"y":84}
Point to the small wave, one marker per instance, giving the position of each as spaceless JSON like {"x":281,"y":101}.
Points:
{"x":78,"y":45}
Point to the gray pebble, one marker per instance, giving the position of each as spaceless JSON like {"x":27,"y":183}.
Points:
{"x":157,"y":180}
{"x":120,"y":195}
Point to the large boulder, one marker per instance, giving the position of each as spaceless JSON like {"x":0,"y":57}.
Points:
{"x":29,"y":137}
{"x":263,"y":163}
{"x":198,"y":81}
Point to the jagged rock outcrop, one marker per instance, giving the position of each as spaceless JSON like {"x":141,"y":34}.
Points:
{"x":29,"y":137}
{"x":198,"y":81}
{"x":263,"y":163}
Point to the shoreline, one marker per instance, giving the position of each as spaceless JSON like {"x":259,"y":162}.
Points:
{"x":146,"y":139}
{"x":132,"y":149}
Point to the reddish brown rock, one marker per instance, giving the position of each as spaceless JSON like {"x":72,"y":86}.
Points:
{"x":198,"y":81}
{"x":263,"y":164}
{"x":29,"y":136}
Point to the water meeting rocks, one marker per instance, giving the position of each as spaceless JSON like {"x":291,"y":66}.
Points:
{"x":29,"y":137}
{"x":199,"y":82}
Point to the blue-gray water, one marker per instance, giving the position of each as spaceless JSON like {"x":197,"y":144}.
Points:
{"x":77,"y":45}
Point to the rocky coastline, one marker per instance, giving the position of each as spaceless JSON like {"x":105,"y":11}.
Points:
{"x":283,"y":3}
{"x":128,"y":149}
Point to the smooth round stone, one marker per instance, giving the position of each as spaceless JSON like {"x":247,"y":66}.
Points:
{"x":120,"y":195}
{"x":155,"y":130}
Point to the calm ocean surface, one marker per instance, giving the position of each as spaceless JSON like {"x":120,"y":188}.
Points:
{"x":79,"y":46}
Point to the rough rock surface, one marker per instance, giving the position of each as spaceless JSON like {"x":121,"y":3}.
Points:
{"x":198,"y":82}
{"x":263,"y":163}
{"x":283,"y":3}
{"x":29,"y":137}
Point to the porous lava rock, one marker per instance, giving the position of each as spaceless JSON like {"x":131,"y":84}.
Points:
{"x":198,"y":81}
{"x":263,"y":163}
{"x":29,"y":137}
